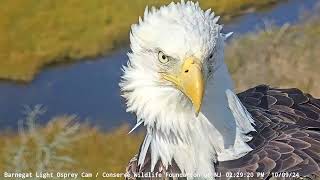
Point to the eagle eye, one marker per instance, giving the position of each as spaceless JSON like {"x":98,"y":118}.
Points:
{"x":162,"y":57}
{"x":211,"y":55}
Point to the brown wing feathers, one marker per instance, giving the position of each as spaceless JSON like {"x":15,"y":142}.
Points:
{"x":287,"y":137}
{"x":288,"y":132}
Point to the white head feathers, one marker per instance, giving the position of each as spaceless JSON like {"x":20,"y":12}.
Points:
{"x":179,"y":30}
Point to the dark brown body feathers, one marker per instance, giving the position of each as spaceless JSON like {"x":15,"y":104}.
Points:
{"x":287,"y":137}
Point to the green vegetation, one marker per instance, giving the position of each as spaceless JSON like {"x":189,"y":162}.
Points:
{"x":36,"y":33}
{"x":281,"y":57}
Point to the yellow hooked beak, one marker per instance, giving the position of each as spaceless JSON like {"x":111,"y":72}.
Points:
{"x":190,"y":81}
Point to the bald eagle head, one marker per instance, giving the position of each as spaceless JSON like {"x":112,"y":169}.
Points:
{"x":178,"y":85}
{"x":176,"y":51}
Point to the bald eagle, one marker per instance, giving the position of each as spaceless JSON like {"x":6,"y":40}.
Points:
{"x":179,"y":87}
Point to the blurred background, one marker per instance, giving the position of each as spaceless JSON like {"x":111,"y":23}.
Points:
{"x":60,"y":61}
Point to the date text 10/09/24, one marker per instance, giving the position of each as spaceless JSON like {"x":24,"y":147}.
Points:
{"x":262,"y":174}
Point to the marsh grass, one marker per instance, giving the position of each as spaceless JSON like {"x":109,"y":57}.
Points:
{"x":286,"y":56}
{"x":283,"y":57}
{"x":42,"y":149}
{"x":63,"y":145}
{"x":37,"y":33}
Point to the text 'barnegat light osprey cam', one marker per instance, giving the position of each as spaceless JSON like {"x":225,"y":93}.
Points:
{"x":179,"y":87}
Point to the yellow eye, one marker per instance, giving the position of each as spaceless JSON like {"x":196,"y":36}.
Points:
{"x":162,"y":57}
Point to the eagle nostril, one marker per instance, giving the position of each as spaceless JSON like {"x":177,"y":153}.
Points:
{"x":186,"y":71}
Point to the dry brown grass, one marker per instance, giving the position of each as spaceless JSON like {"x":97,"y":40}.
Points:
{"x":106,"y":152}
{"x":84,"y":150}
{"x":37,"y":33}
{"x":281,"y":57}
